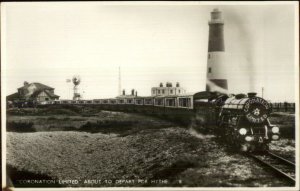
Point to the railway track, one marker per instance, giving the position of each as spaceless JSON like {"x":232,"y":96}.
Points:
{"x":281,"y":166}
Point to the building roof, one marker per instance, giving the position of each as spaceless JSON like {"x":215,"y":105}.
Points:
{"x":38,"y":86}
{"x":125,"y":96}
{"x":51,"y":95}
{"x":13,"y":96}
{"x":165,"y":87}
{"x":33,"y":90}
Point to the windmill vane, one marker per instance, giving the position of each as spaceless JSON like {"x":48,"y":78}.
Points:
{"x":76,"y":81}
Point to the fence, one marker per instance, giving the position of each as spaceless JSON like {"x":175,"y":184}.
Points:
{"x":283,"y":106}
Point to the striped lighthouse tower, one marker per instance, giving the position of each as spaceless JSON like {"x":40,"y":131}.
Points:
{"x":216,"y":79}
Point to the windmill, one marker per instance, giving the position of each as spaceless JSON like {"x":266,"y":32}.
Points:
{"x":76,"y":81}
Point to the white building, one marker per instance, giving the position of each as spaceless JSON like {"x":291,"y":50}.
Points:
{"x":167,"y":90}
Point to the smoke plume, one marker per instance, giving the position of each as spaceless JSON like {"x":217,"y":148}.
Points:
{"x":245,"y":40}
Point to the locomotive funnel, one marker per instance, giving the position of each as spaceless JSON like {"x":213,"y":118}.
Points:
{"x":216,"y":77}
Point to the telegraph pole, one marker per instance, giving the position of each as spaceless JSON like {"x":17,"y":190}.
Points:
{"x":120,"y":80}
{"x":69,"y":87}
{"x":262,"y":92}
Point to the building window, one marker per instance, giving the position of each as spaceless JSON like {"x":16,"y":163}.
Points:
{"x":153,"y":91}
{"x":184,"y":102}
{"x":170,"y":102}
{"x":158,"y":91}
{"x":171,"y":91}
{"x":139,"y":102}
{"x":208,"y":56}
{"x":163,"y":91}
{"x":209,"y":70}
{"x":178,"y":91}
{"x":159,"y":102}
{"x":148,"y":101}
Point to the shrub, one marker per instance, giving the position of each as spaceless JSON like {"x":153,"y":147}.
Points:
{"x":107,"y":126}
{"x":61,"y":128}
{"x":20,"y":127}
{"x":66,"y":119}
{"x":51,"y":118}
{"x":175,"y":168}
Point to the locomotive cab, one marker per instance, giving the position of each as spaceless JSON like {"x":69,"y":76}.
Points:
{"x":207,"y":107}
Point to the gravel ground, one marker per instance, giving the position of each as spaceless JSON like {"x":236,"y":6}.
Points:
{"x":80,"y":156}
{"x":172,"y":155}
{"x":285,"y":148}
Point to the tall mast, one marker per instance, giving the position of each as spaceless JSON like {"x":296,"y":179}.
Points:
{"x":120,"y":87}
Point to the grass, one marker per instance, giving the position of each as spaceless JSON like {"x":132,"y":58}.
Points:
{"x":86,"y":120}
{"x":286,"y":123}
{"x":93,"y":120}
{"x":40,"y":111}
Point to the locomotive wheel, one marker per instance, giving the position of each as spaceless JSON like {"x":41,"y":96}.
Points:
{"x":245,"y":148}
{"x":231,"y":142}
{"x":261,"y":147}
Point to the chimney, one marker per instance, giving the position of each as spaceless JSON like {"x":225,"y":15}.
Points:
{"x":252,"y":94}
{"x":132,"y":92}
{"x":25,"y":83}
{"x":161,"y":85}
{"x":136,"y":94}
{"x":168,"y":84}
{"x":177,"y":84}
{"x":123,"y":92}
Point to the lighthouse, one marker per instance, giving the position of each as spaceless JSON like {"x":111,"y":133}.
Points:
{"x":216,"y":75}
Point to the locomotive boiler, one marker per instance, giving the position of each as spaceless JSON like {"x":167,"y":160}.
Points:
{"x":242,"y":121}
{"x":246,"y":121}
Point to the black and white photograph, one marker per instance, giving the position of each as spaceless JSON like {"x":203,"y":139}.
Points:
{"x":155,"y":95}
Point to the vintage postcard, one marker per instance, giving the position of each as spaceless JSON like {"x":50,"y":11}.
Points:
{"x":150,"y":95}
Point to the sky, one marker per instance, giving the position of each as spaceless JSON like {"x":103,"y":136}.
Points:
{"x":49,"y":42}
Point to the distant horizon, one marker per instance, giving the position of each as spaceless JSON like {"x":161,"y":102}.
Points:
{"x":50,"y":42}
{"x":128,"y":92}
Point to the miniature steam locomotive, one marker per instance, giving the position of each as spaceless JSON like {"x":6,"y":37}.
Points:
{"x":241,"y":120}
